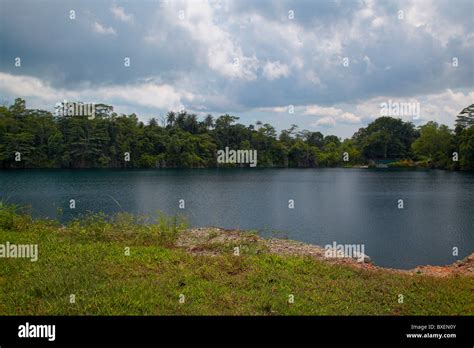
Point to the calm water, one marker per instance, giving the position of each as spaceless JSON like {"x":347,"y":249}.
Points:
{"x":343,"y":205}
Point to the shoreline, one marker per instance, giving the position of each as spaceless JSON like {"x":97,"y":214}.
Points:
{"x":206,"y":241}
{"x":125,"y":267}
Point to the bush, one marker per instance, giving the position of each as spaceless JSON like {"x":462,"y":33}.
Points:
{"x":169,"y":227}
{"x":134,"y":229}
{"x":10,"y":219}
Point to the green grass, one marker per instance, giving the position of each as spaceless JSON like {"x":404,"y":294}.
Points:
{"x":87,"y":258}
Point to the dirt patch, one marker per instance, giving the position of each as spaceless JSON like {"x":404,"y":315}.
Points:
{"x":212,"y":241}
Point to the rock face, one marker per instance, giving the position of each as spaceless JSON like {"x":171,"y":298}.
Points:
{"x":215,"y":241}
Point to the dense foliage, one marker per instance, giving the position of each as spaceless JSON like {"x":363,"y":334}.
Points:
{"x":44,"y":140}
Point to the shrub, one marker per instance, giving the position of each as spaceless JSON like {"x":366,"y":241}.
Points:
{"x":169,"y":227}
{"x":11,"y":220}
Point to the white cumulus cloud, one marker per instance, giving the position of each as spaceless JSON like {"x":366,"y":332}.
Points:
{"x":275,"y":70}
{"x":101,"y":29}
{"x":119,"y":13}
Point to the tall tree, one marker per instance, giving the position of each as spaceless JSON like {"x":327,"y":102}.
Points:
{"x":435,"y":145}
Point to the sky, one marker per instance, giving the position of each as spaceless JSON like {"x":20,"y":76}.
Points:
{"x":327,"y":66}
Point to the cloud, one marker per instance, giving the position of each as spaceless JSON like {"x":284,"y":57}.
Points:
{"x":119,"y":13}
{"x":214,"y":42}
{"x":441,"y":107}
{"x":316,"y":110}
{"x":247,"y":56}
{"x":325,"y":122}
{"x":330,"y":116}
{"x":99,"y":28}
{"x":275,"y":70}
{"x":26,"y":86}
{"x":147,"y":95}
{"x":428,"y":16}
{"x":349,"y":117}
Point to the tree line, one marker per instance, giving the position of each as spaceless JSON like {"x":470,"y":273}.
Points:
{"x":44,"y":140}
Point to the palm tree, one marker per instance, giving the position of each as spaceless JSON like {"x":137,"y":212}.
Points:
{"x":209,"y":121}
{"x":181,"y":119}
{"x":466,"y":117}
{"x":191,"y":123}
{"x":171,"y":118}
{"x":153,"y":123}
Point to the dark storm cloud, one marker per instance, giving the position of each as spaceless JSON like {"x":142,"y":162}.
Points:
{"x":282,"y":61}
{"x":68,"y":52}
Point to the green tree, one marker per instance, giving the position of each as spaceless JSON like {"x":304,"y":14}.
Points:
{"x":386,"y":137}
{"x":435,"y":145}
{"x":466,"y":149}
{"x":47,"y":141}
{"x":465,"y":118}
{"x":465,"y":137}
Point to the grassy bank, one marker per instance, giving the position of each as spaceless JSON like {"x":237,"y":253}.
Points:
{"x":88,"y":258}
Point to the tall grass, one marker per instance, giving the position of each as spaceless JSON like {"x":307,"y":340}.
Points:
{"x":160,"y":230}
{"x":12,"y":217}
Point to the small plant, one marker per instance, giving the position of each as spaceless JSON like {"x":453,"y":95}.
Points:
{"x":91,"y":225}
{"x":169,"y":227}
{"x":7,"y":214}
{"x":10,"y":219}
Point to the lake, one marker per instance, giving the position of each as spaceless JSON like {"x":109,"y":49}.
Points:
{"x":346,"y":206}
